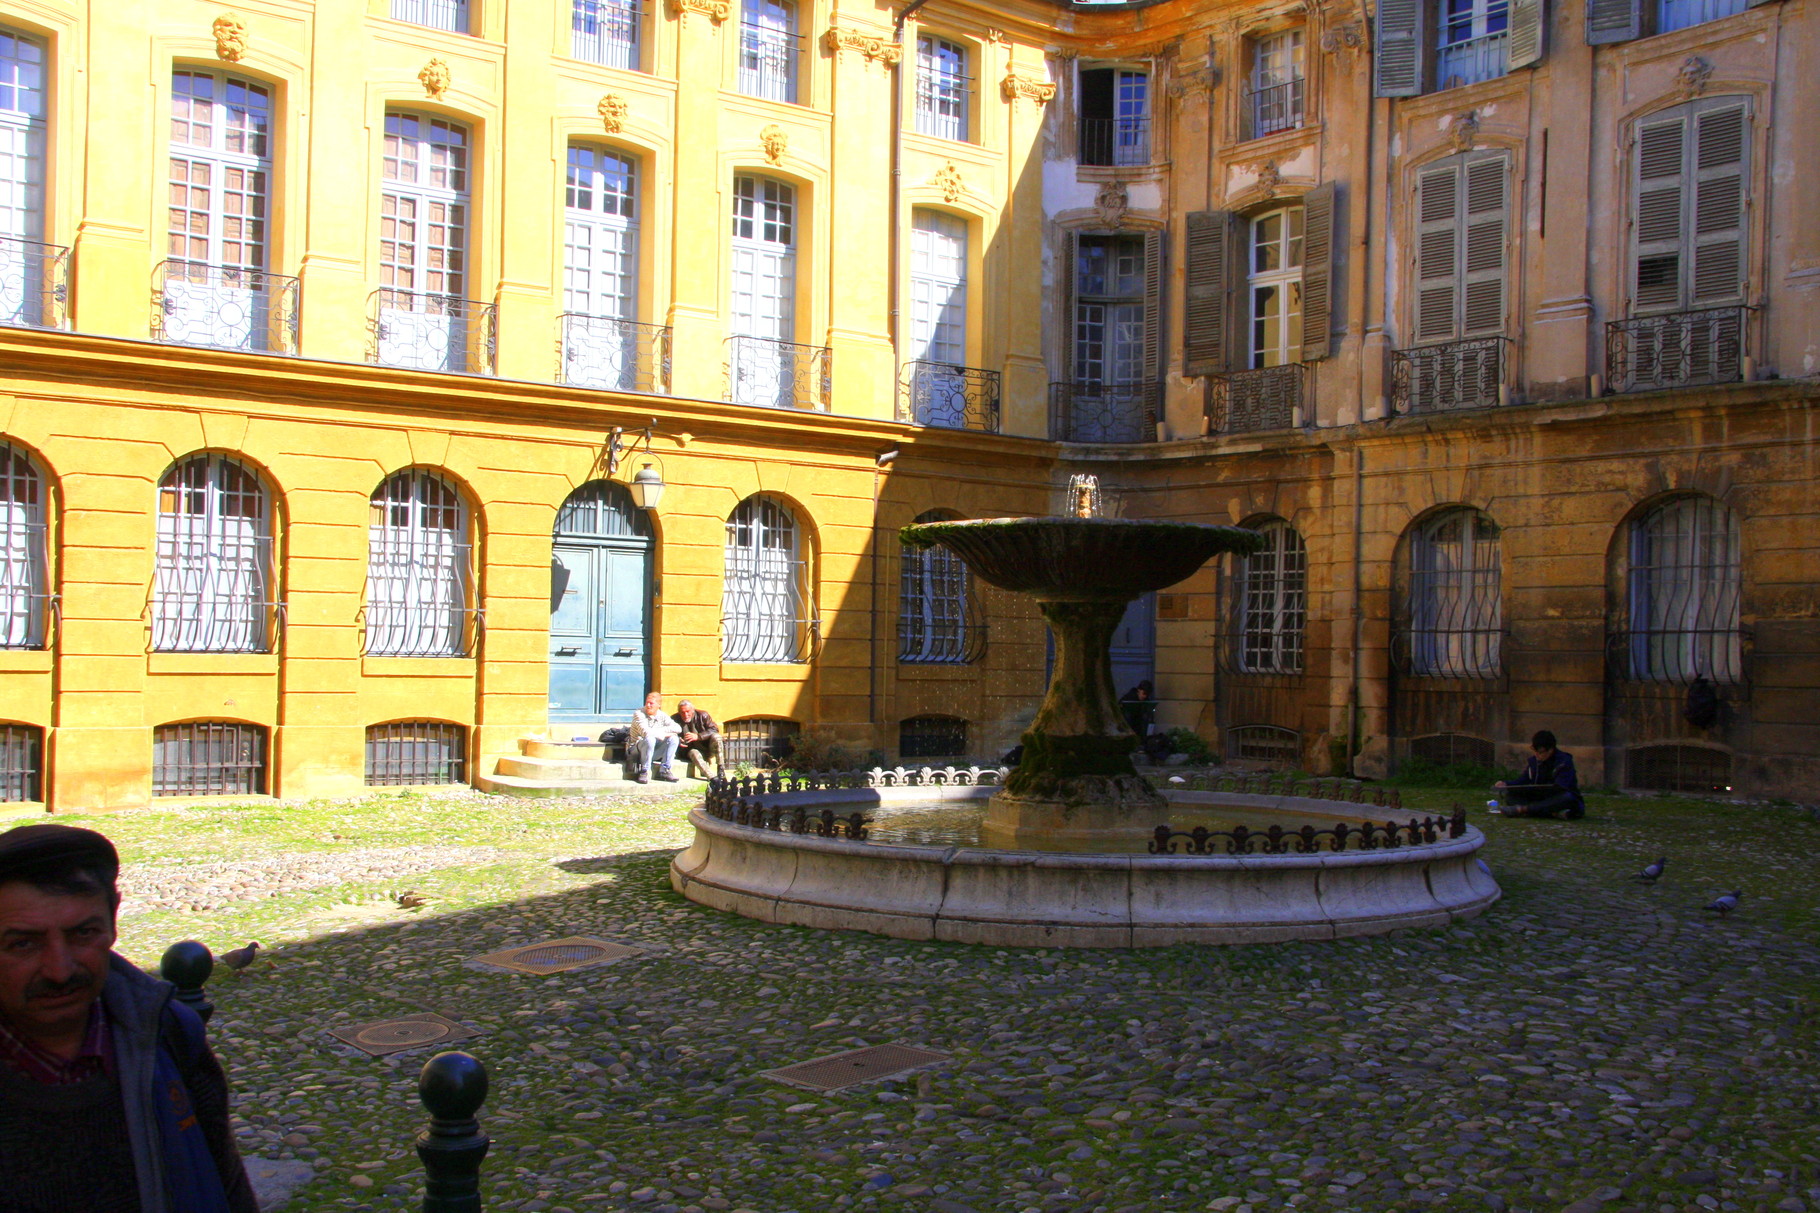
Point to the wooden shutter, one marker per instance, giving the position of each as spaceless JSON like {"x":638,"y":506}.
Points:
{"x":1207,"y":308}
{"x":1437,"y":253}
{"x":1721,"y":146}
{"x":1524,"y":45}
{"x":1482,"y":247}
{"x":1656,"y":227}
{"x":1613,"y":21}
{"x":1401,"y":53}
{"x":1317,"y":272}
{"x":1153,"y":306}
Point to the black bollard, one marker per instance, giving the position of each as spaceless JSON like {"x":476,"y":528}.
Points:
{"x":452,"y":1086}
{"x":187,"y":966}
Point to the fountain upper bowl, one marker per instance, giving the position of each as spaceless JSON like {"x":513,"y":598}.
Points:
{"x":1082,"y":558}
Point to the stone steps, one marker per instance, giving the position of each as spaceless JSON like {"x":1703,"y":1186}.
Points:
{"x":544,"y":767}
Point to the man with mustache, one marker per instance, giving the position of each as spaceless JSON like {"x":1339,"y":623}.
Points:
{"x":110,"y":1100}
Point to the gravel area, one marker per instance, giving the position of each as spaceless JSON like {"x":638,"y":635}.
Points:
{"x":199,"y":887}
{"x":1590,"y":1044}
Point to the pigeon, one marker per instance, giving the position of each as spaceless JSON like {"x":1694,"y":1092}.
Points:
{"x":239,"y":958}
{"x":409,"y":900}
{"x":1725,"y":903}
{"x":1653,"y":872}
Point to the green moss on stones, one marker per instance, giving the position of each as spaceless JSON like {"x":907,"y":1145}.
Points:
{"x":1050,"y":762}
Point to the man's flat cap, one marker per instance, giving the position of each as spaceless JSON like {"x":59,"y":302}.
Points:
{"x":31,"y":851}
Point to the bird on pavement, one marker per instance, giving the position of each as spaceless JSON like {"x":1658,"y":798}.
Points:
{"x":1726,"y":903}
{"x":239,"y":958}
{"x":1653,"y":872}
{"x":411,"y":900}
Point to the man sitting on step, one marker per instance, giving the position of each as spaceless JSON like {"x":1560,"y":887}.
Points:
{"x":700,"y":745}
{"x":652,"y":742}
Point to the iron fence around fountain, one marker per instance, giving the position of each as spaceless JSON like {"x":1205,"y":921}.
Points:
{"x":1308,"y":840}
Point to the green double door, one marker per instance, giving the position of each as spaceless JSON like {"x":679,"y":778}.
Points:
{"x":600,"y":613}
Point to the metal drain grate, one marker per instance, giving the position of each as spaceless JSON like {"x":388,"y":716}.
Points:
{"x":839,"y":1070}
{"x":558,"y":955}
{"x":405,"y":1032}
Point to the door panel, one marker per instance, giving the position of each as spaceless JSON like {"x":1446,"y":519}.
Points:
{"x":599,"y":647}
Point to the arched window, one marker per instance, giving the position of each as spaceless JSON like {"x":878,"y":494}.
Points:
{"x":417,"y":568}
{"x":602,"y":509}
{"x":932,"y":737}
{"x":765,"y":601}
{"x":1685,"y":572}
{"x":212,"y":588}
{"x":936,"y":619}
{"x":1455,"y":612}
{"x":208,"y":758}
{"x":23,"y":552}
{"x":405,"y":752}
{"x":1273,"y":602}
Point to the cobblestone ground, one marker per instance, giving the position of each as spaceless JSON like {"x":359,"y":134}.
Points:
{"x":1590,"y":1043}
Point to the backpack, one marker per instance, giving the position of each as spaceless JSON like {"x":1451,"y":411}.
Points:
{"x":1702,"y":707}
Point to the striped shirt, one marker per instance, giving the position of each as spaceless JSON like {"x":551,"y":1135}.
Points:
{"x":93,"y":1057}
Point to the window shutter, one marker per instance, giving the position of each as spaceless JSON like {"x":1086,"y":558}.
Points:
{"x":1437,"y":260}
{"x":1208,"y":304}
{"x":1613,"y":21}
{"x":1524,"y":46}
{"x":1401,"y":54}
{"x":1657,"y":225}
{"x":1317,"y":272}
{"x":1721,"y":143}
{"x":1153,"y":306}
{"x":1483,"y":254}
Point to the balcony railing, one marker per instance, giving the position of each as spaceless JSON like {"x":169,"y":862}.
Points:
{"x":1679,"y":14}
{"x":615,"y":355}
{"x":1470,"y":61}
{"x":1277,"y":107}
{"x":451,"y":15}
{"x":34,"y":283}
{"x":1451,"y":376}
{"x":194,"y":303}
{"x":1116,"y":141}
{"x":953,"y":397}
{"x":1268,"y":398}
{"x":1104,"y":412}
{"x":779,"y":374}
{"x":421,"y":331}
{"x":606,"y":32}
{"x":1680,"y":349}
{"x":767,"y":62}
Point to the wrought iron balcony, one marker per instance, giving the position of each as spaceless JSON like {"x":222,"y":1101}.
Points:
{"x":1448,"y":377}
{"x":1471,"y":61}
{"x":606,"y":32}
{"x":1104,"y":412}
{"x":615,"y":355}
{"x":1116,"y":141}
{"x":1268,"y":398}
{"x":953,"y":397}
{"x":34,"y":283}
{"x":767,"y":61}
{"x":1277,"y":107}
{"x":451,"y":15}
{"x":422,"y":331}
{"x":779,"y":374}
{"x":1679,"y":14}
{"x":194,"y":303}
{"x":1679,"y":349}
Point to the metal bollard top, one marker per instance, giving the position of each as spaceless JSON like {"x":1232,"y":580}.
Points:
{"x":453,"y":1086}
{"x":187,"y":965}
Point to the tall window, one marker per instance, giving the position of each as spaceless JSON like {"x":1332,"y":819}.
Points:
{"x":211,"y":591}
{"x":600,"y":270}
{"x":1115,"y":116}
{"x":1275,"y":287}
{"x":1273,"y":602}
{"x":1685,"y":582}
{"x":768,"y":50}
{"x":1619,"y":20}
{"x":764,"y":616}
{"x":1688,"y":232}
{"x":1109,"y":330}
{"x":417,"y":568}
{"x":1470,"y":47}
{"x":1275,"y":102}
{"x":932,"y":610}
{"x":22,"y":118}
{"x":1424,"y":45}
{"x":938,"y":287}
{"x":1456,"y":605}
{"x":764,"y":292}
{"x":23,"y":551}
{"x":1460,"y":235}
{"x":942,"y":88}
{"x":423,"y":241}
{"x":606,"y":32}
{"x":451,"y":15}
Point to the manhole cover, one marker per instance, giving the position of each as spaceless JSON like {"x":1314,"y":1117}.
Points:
{"x":404,"y":1032}
{"x":558,"y":955}
{"x":855,"y":1066}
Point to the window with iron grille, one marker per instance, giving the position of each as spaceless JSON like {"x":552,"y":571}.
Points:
{"x":765,"y":600}
{"x":1678,"y":768}
{"x":451,"y":15}
{"x":416,"y":751}
{"x":211,"y":589}
{"x":23,"y":551}
{"x":1453,"y":749}
{"x":418,"y":587}
{"x":757,"y":741}
{"x":606,"y":32}
{"x":932,"y":737}
{"x":1115,"y":116}
{"x":423,"y":244}
{"x":1275,"y":747}
{"x":23,"y":112}
{"x":1273,"y":602}
{"x":1686,"y":571}
{"x":933,"y":601}
{"x":21,"y":762}
{"x":208,"y":758}
{"x":768,"y":50}
{"x":1275,"y":99}
{"x":942,"y":88}
{"x":1455,"y":610}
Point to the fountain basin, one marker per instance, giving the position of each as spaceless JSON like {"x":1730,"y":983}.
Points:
{"x":1028,"y":898}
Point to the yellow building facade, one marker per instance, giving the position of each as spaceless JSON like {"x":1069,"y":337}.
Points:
{"x":322,"y":324}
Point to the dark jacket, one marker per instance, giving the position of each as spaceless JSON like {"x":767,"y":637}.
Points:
{"x":1557,"y":769}
{"x":703,"y":725}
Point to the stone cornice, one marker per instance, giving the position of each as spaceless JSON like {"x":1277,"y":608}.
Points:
{"x":1029,"y":88}
{"x":876,"y":50}
{"x":716,"y":11}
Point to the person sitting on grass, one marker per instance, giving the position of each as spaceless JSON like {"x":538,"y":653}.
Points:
{"x":652,"y":742}
{"x":1548,"y":784}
